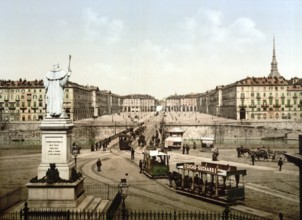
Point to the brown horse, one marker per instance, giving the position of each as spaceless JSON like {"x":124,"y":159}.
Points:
{"x":242,"y":150}
{"x":260,"y":153}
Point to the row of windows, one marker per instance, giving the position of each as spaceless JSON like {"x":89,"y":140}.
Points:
{"x":11,"y":105}
{"x":5,"y":97}
{"x":276,"y":109}
{"x":18,"y":90}
{"x":270,"y":102}
{"x":271,"y":94}
{"x":277,"y":116}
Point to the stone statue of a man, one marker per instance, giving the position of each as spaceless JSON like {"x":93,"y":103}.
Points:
{"x":54,"y":82}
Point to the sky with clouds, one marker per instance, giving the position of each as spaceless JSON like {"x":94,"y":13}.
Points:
{"x":158,"y":47}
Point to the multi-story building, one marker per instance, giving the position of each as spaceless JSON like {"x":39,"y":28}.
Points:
{"x":22,"y":100}
{"x":114,"y":104}
{"x":78,"y":101}
{"x":173,"y":103}
{"x":104,"y":102}
{"x":138,"y":103}
{"x":254,"y":98}
{"x":183,"y":103}
{"x":210,"y":101}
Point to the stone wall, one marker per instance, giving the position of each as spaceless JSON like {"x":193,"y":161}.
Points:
{"x":236,"y":132}
{"x":29,"y":134}
{"x":84,"y":133}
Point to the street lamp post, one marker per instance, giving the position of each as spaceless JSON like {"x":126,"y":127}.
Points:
{"x":75,"y":154}
{"x":123,"y":191}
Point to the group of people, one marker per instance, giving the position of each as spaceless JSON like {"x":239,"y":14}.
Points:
{"x":155,"y":139}
{"x":75,"y":147}
{"x":99,"y":144}
{"x":185,"y":149}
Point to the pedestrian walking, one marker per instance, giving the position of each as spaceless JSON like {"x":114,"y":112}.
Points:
{"x":194,"y":145}
{"x":183,"y":149}
{"x":187,"y":149}
{"x":99,"y":165}
{"x":280,"y":163}
{"x":253,"y":158}
{"x":132,"y":153}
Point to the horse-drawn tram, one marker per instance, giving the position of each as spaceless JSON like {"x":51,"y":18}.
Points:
{"x":217,"y":183}
{"x":156,"y":163}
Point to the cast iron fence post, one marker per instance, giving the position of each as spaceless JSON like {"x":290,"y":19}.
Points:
{"x":226,"y":213}
{"x":24,"y":211}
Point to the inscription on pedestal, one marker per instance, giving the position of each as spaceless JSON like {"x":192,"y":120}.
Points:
{"x":53,"y":147}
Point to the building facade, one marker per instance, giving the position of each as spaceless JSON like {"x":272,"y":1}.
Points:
{"x":22,"y":100}
{"x":182,"y":103}
{"x":78,"y":101}
{"x":138,"y":103}
{"x":256,"y":98}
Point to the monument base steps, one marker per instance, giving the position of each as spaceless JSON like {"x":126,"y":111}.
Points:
{"x":94,"y":204}
{"x":56,"y":204}
{"x":103,"y":205}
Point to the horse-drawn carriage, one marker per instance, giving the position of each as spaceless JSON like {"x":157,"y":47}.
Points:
{"x":218,"y":183}
{"x":125,"y":141}
{"x":141,"y":140}
{"x":261,"y":153}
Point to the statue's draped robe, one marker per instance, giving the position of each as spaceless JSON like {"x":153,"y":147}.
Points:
{"x":54,"y":82}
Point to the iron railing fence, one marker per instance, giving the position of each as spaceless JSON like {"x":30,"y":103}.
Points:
{"x":107,"y":192}
{"x":128,"y":215}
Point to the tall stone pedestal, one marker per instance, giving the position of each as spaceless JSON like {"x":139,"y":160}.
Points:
{"x":62,"y":192}
{"x":56,"y":195}
{"x":62,"y":188}
{"x":56,"y":146}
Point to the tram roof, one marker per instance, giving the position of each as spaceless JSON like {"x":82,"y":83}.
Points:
{"x":156,"y":152}
{"x":211,"y":168}
{"x":174,"y":138}
{"x":175,"y":130}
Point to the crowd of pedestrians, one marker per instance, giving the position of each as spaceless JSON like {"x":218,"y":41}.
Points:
{"x":100,"y":144}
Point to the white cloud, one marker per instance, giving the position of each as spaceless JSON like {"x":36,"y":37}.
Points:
{"x":101,"y":27}
{"x":207,"y":27}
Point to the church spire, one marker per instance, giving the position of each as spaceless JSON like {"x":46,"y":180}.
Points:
{"x":274,"y":64}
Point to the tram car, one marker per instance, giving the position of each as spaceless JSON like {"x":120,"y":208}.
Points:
{"x":217,"y":183}
{"x":156,"y":163}
{"x":125,"y":141}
